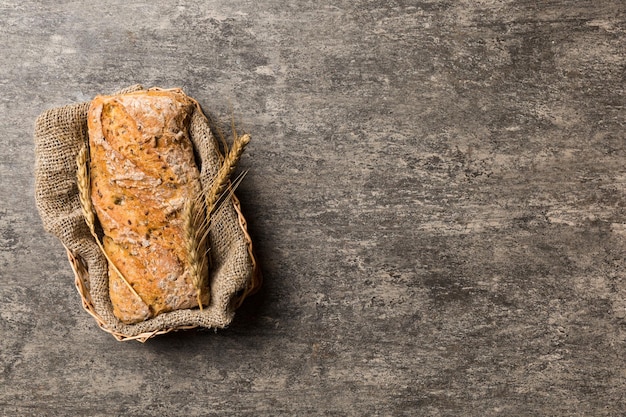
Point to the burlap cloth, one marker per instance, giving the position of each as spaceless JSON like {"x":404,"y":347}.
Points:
{"x":59,"y":135}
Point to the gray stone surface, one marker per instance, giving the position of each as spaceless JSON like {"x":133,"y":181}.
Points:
{"x":437,"y":194}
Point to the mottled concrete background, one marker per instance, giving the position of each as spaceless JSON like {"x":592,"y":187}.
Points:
{"x":437,"y":193}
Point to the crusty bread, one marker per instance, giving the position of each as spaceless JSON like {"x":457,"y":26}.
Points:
{"x":142,"y":174}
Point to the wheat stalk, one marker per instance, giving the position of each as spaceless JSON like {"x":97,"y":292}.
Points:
{"x":194,"y":230}
{"x":216,"y":195}
{"x":84,"y":192}
{"x":226,"y":170}
{"x":196,"y":219}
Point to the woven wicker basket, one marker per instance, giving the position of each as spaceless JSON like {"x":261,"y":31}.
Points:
{"x":59,"y":133}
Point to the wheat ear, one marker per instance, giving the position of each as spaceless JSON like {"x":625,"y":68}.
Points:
{"x":197,"y":221}
{"x":84,"y":192}
{"x":226,"y":170}
{"x":194,"y":229}
{"x":196,"y":232}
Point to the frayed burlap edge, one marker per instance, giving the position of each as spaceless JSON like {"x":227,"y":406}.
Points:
{"x":59,"y":134}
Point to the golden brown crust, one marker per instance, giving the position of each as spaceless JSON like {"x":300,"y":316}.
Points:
{"x":142,"y":173}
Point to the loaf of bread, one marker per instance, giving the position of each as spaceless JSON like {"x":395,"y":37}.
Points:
{"x":143,"y":174}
